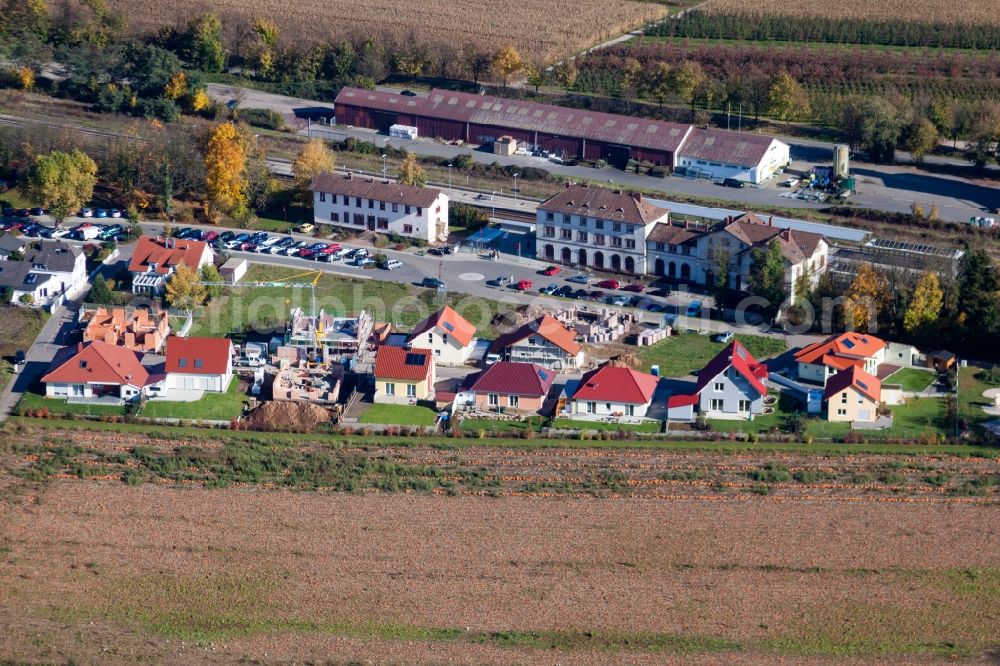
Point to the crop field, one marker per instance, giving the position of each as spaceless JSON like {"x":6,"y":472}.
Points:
{"x":945,"y":11}
{"x":528,"y":26}
{"x":117,"y":547}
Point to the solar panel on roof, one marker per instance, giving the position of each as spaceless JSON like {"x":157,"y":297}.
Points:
{"x":587,"y":120}
{"x":414,"y":359}
{"x":631,"y":127}
{"x":448,"y":325}
{"x":849,"y":344}
{"x":651,"y":129}
{"x":862,"y":384}
{"x":543,"y":375}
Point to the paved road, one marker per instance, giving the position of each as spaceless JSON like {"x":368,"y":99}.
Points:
{"x":893,"y":188}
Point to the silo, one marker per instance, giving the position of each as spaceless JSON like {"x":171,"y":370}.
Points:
{"x":841,"y":161}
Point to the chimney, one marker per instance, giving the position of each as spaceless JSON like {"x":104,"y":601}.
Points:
{"x":786,"y":234}
{"x":770,"y":220}
{"x":637,"y":196}
{"x":79,"y":347}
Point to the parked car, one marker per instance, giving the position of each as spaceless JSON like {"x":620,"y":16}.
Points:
{"x":305,"y":228}
{"x":178,"y":233}
{"x":580,"y":294}
{"x":37,"y":212}
{"x":620,"y":301}
{"x":209,"y":236}
{"x":694,"y":309}
{"x":436,"y":251}
{"x":330,"y":248}
{"x":86,"y":212}
{"x":391,"y":264}
{"x":366,"y":262}
{"x":734,"y":182}
{"x":501,"y":281}
{"x":565,"y":291}
{"x":650,"y":306}
{"x":724,"y":337}
{"x":319,"y":246}
{"x":636,"y":287}
{"x":61,"y":233}
{"x":523,"y":285}
{"x":114,"y":212}
{"x":31,"y":229}
{"x":408,"y":93}
{"x":100,"y":212}
{"x":306,"y":252}
{"x":661,"y":292}
{"x":549,"y":290}
{"x":580,"y":278}
{"x":242,"y":237}
{"x":551,"y":270}
{"x":595,"y":296}
{"x":227,"y":236}
{"x":608,"y":284}
{"x":432,"y":283}
{"x":339,"y":253}
{"x":449,"y":249}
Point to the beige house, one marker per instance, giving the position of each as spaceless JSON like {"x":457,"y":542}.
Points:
{"x":447,"y":334}
{"x":820,"y":361}
{"x":403,"y":375}
{"x":852,"y":395}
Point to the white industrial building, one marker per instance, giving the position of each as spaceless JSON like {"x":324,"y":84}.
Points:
{"x":719,"y":154}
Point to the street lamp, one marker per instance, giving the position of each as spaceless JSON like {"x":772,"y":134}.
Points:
{"x":515,"y":188}
{"x":449,"y":175}
{"x":385,"y":168}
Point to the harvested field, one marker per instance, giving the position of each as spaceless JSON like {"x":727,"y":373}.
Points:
{"x":528,"y":26}
{"x":883,"y":568}
{"x":943,"y":11}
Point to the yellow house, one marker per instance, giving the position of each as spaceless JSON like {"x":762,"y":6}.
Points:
{"x":852,"y":395}
{"x":403,"y":375}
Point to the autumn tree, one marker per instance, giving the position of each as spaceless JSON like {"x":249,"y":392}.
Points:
{"x":61,"y":182}
{"x":872,"y":124}
{"x":566,"y":73}
{"x":209,"y":273}
{"x":22,"y":17}
{"x":507,"y":62}
{"x":658,"y":81}
{"x":267,"y":31}
{"x":314,"y":158}
{"x":866,"y":299}
{"x":184,"y":289}
{"x":921,"y":138}
{"x":410,"y":171}
{"x":204,"y":43}
{"x":631,"y":74}
{"x":925,"y":305}
{"x":176,"y":86}
{"x":767,"y":276}
{"x":535,"y":75}
{"x":225,"y":164}
{"x":788,"y":100}
{"x":686,"y":80}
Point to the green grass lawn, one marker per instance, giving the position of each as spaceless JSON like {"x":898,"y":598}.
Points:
{"x":385,"y":414}
{"x":919,"y":416}
{"x":971,"y":384}
{"x":211,"y":406}
{"x":785,"y":406}
{"x":265,"y":309}
{"x":911,"y":379}
{"x":572,"y":424}
{"x":60,"y":406}
{"x":18,"y":329}
{"x":14,"y":199}
{"x":534,"y":423}
{"x":684,"y":354}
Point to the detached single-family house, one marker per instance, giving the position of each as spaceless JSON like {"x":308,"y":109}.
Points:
{"x":154,"y":260}
{"x":610,"y":392}
{"x":447,"y":334}
{"x":195,"y":366}
{"x":852,"y":395}
{"x":544,"y":341}
{"x":9,"y":244}
{"x":46,"y":275}
{"x":731,"y":385}
{"x":95,"y":369}
{"x":506,"y":387}
{"x":138,"y":329}
{"x":821,"y":360}
{"x":403,"y":375}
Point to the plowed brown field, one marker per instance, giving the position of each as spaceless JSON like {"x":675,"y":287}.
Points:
{"x":876,"y":572}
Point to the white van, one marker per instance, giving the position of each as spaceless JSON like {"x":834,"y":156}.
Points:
{"x":392,"y":264}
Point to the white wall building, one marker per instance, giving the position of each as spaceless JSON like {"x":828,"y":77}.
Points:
{"x":370,"y":204}
{"x":46,"y":275}
{"x":596,"y":227}
{"x":720,"y":154}
{"x":196,"y":366}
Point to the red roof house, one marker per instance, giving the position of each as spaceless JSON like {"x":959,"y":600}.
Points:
{"x":446,"y":333}
{"x":611,"y":391}
{"x":516,"y":386}
{"x":730,"y":385}
{"x":403,"y":374}
{"x":821,"y":360}
{"x":95,"y":369}
{"x":155,"y":259}
{"x":544,"y":341}
{"x":197,"y":365}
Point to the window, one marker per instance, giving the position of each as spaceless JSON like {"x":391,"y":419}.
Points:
{"x":630,"y":243}
{"x":581,"y":236}
{"x":358,"y":218}
{"x":371,"y":220}
{"x":591,"y":407}
{"x":598,"y":239}
{"x":599,"y":224}
{"x":744,"y":406}
{"x":407,"y":228}
{"x":371,"y":203}
{"x":430,"y":337}
{"x":550,"y":231}
{"x":77,"y":389}
{"x":616,"y":241}
{"x":550,"y":217}
{"x":843,"y":398}
{"x":381,"y":205}
{"x":842,"y":412}
{"x":322,"y":197}
{"x":420,"y":211}
{"x":659,"y":246}
{"x":717,"y":404}
{"x":494,"y":399}
{"x":567,"y":219}
{"x":395,"y":208}
{"x":607,"y":406}
{"x":411,"y":390}
{"x":630,"y":228}
{"x":346,"y":199}
{"x":383,"y":223}
{"x":583,"y":222}
{"x":617,"y":226}
{"x":629,"y":410}
{"x":357,"y":202}
{"x":407,"y":207}
{"x":390,"y":389}
{"x":719,"y":387}
{"x":566,"y":233}
{"x":512,"y":400}
{"x":335,"y":217}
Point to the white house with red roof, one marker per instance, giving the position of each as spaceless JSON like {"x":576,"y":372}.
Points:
{"x":730,"y":386}
{"x":611,"y":392}
{"x":447,"y":334}
{"x":154,"y":260}
{"x":819,"y":361}
{"x":545,"y":341}
{"x":96,"y":369}
{"x":195,"y":366}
